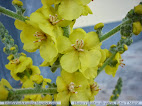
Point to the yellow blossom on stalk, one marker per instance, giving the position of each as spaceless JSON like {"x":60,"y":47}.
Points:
{"x":137,"y":28}
{"x":3,"y":91}
{"x":17,"y":2}
{"x":41,"y":33}
{"x":113,"y":67}
{"x":104,"y":53}
{"x":72,"y":9}
{"x":93,"y":89}
{"x":71,"y":87}
{"x":19,"y":64}
{"x":26,"y":74}
{"x":81,"y":51}
{"x":36,"y":78}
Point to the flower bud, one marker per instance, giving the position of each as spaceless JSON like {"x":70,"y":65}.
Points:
{"x":138,"y":9}
{"x":137,"y":28}
{"x":99,"y":26}
{"x":10,"y":57}
{"x":125,"y":47}
{"x":17,"y":2}
{"x":112,"y":46}
{"x":12,"y":48}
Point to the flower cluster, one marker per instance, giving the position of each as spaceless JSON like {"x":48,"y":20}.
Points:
{"x":78,"y":54}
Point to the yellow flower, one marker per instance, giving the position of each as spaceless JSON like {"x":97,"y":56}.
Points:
{"x":81,"y":51}
{"x":94,"y":89}
{"x":138,"y":9}
{"x":17,"y":2}
{"x":26,"y":74}
{"x":37,"y":78}
{"x":41,"y":34}
{"x":137,"y":28}
{"x":19,"y":64}
{"x":73,"y":9}
{"x":113,"y":67}
{"x":3,"y":91}
{"x":28,"y":84}
{"x":71,"y":87}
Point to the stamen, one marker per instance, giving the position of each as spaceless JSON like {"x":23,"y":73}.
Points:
{"x":94,"y":87}
{"x":72,"y":87}
{"x":121,"y":64}
{"x":40,"y":36}
{"x":78,"y":45}
{"x":15,"y":61}
{"x":54,"y":19}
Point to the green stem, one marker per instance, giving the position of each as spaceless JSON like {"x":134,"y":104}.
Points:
{"x":113,"y":31}
{"x":12,"y":14}
{"x":28,"y":91}
{"x":106,"y":63}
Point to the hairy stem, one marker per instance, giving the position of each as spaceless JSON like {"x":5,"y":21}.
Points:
{"x":113,"y":31}
{"x":12,"y":14}
{"x":28,"y":91}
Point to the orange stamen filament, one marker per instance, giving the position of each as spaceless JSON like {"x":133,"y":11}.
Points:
{"x":121,"y":63}
{"x":78,"y":45}
{"x":72,"y":87}
{"x":94,"y":87}
{"x":54,"y":19}
{"x":39,"y":36}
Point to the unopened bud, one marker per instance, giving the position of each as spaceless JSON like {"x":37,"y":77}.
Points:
{"x":17,"y":2}
{"x":125,"y":47}
{"x":138,"y":9}
{"x":99,"y":26}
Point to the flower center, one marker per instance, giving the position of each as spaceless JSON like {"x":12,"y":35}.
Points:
{"x":121,"y":62}
{"x":94,"y":87}
{"x":78,"y":45}
{"x":54,"y":19}
{"x":72,"y":87}
{"x":39,"y":36}
{"x":15,"y":61}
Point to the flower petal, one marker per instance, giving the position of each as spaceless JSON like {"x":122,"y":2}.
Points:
{"x":77,"y":34}
{"x":91,"y":40}
{"x":70,"y":9}
{"x":83,"y":61}
{"x":19,"y":24}
{"x":64,"y":98}
{"x":63,"y":44}
{"x":48,"y":51}
{"x":79,"y":79}
{"x":61,"y":85}
{"x":29,"y":45}
{"x":90,"y":72}
{"x":70,"y":62}
{"x":67,"y":77}
{"x":85,"y":2}
{"x":94,"y":57}
{"x":47,"y":2}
